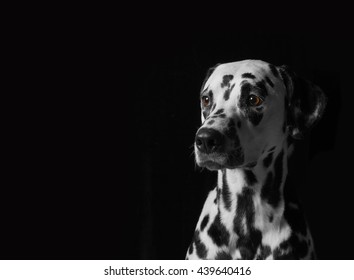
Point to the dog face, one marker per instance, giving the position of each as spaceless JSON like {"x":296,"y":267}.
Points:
{"x":249,"y":107}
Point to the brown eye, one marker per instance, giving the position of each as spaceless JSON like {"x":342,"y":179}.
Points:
{"x":205,"y":101}
{"x":254,"y":100}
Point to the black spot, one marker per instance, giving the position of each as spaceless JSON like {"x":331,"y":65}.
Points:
{"x":264,"y":252}
{"x":223,"y":256}
{"x":226,"y":80}
{"x":228,"y":91}
{"x":245,"y":251}
{"x":200,"y":246}
{"x":222,"y":116}
{"x":245,"y":90}
{"x":250,"y":178}
{"x":271,"y":217}
{"x":236,"y":157}
{"x":267,"y":187}
{"x":211,"y":122}
{"x":239,"y":124}
{"x":190,"y":250}
{"x":285,"y":245}
{"x":218,"y":232}
{"x":248,"y":76}
{"x":255,"y":117}
{"x":292,"y":248}
{"x":219,"y":111}
{"x":274,"y":70}
{"x":261,"y":85}
{"x":249,"y":237}
{"x":226,"y":195}
{"x":205,"y":114}
{"x":215,"y":201}
{"x":284,"y":251}
{"x":230,"y":131}
{"x":271,"y":187}
{"x":268,"y":160}
{"x":204,"y":222}
{"x":211,"y":95}
{"x":269,"y":81}
{"x":218,"y":194}
{"x":248,"y":245}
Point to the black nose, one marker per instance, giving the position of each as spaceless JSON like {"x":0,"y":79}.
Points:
{"x":209,"y":140}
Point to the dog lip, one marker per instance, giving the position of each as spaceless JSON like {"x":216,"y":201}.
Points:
{"x":217,"y":161}
{"x":211,"y":165}
{"x":211,"y":161}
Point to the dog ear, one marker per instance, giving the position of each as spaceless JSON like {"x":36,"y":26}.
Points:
{"x":208,"y":74}
{"x":305,"y":103}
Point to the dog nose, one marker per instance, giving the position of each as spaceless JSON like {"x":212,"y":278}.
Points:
{"x":208,"y":140}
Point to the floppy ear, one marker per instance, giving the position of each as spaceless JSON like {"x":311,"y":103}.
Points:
{"x":208,"y":74}
{"x":305,"y":103}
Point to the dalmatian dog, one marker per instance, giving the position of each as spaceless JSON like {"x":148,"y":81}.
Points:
{"x":252,"y":112}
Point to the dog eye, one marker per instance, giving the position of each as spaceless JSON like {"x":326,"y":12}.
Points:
{"x":205,"y":101}
{"x":254,"y":100}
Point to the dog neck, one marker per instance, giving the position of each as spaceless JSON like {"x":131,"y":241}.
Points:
{"x":253,"y":198}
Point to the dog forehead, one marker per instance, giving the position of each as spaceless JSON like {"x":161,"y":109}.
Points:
{"x":233,"y":71}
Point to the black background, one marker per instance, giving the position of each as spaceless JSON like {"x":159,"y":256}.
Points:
{"x":101,"y":163}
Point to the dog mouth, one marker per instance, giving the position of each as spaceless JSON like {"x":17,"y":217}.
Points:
{"x":217,"y":161}
{"x":211,"y":165}
{"x":212,"y":161}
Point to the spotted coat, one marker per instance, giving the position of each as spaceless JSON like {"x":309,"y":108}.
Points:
{"x":252,"y":112}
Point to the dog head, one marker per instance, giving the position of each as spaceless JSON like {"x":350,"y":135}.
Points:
{"x":251,"y":106}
